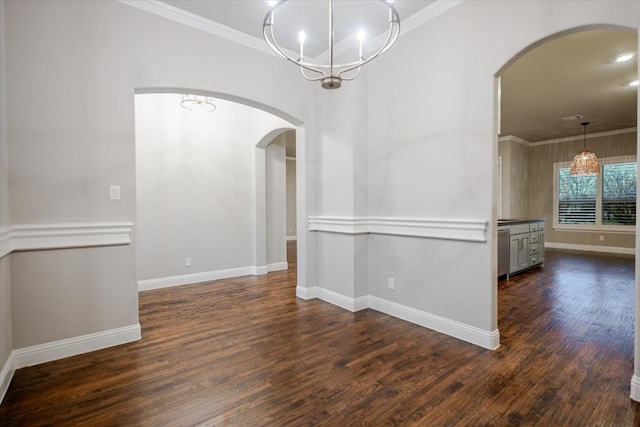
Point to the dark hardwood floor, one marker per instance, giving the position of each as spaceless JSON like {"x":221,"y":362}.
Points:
{"x":246,"y":352}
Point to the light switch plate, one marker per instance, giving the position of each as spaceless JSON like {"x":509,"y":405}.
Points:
{"x":114,"y":192}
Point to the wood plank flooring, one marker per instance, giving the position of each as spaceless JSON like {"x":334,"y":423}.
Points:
{"x":246,"y":352}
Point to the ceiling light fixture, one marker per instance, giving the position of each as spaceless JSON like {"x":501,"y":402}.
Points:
{"x":330,"y":74}
{"x":200,"y":103}
{"x":585,"y":162}
{"x":624,"y":57}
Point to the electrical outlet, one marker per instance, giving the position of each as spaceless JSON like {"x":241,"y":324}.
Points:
{"x":187,"y":262}
{"x":392,"y":283}
{"x":602,"y":238}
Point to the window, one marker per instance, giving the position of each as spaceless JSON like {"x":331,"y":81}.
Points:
{"x":597,"y":202}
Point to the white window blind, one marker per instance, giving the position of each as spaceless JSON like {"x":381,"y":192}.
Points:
{"x":576,"y":198}
{"x":619,"y":193}
{"x":606,"y":201}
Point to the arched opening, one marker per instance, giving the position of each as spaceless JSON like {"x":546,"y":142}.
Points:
{"x":534,"y":158}
{"x":201,"y":188}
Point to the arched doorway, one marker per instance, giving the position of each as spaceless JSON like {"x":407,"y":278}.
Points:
{"x":210,"y":168}
{"x":542,"y":151}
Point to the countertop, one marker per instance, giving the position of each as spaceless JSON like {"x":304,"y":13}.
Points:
{"x":518,"y":221}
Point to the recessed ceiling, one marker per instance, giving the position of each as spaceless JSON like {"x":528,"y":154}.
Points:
{"x":572,"y":75}
{"x":247,"y":16}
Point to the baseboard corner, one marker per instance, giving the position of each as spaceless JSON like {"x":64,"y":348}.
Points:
{"x":6,"y":375}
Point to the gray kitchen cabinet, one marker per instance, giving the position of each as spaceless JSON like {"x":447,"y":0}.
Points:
{"x":526,"y":244}
{"x":518,"y":252}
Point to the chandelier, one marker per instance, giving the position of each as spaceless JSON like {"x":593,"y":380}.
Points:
{"x":329,"y":73}
{"x":585,"y":162}
{"x":200,"y":103}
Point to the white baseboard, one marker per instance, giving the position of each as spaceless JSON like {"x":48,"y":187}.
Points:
{"x":348,"y":303}
{"x":635,"y":388}
{"x":277,"y":266}
{"x":487,"y":339}
{"x":6,"y":375}
{"x":258,"y":270}
{"x":205,"y":276}
{"x":307,"y":293}
{"x":291,"y":238}
{"x":480,"y":337}
{"x":590,"y":248}
{"x":55,"y":350}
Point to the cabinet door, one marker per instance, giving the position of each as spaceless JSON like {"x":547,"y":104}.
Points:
{"x":541,"y":247}
{"x":518,"y":252}
{"x":523,"y":252}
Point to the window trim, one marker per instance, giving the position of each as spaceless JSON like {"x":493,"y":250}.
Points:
{"x":598,"y":226}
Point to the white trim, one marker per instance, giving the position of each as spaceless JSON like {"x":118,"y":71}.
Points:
{"x":471,"y":230}
{"x":205,"y":276}
{"x":635,"y":388}
{"x":55,"y":350}
{"x":292,"y":238}
{"x":258,"y":270}
{"x":277,"y":266}
{"x":468,"y":333}
{"x":6,"y":375}
{"x":581,"y":137}
{"x":425,"y":15}
{"x":342,"y":301}
{"x":27,"y":237}
{"x":199,"y":23}
{"x":487,"y":339}
{"x":513,"y":138}
{"x":517,"y":139}
{"x":5,"y":241}
{"x":590,"y":248}
{"x":306,"y":293}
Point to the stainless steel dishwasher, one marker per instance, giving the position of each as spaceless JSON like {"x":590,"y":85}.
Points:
{"x":503,"y":250}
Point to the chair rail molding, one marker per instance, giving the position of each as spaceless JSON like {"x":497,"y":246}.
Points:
{"x":26,"y":237}
{"x":465,"y":229}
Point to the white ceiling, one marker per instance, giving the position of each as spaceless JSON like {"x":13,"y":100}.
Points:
{"x":247,"y":16}
{"x":570,"y":75}
{"x":567,"y":76}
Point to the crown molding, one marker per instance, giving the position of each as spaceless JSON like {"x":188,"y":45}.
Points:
{"x":513,"y":138}
{"x":425,"y":15}
{"x":581,"y":137}
{"x":192,"y":20}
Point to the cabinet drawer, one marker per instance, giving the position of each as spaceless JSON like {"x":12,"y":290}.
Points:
{"x":518,"y":228}
{"x":533,"y":260}
{"x":533,"y":249}
{"x":533,"y":226}
{"x":533,"y":238}
{"x":541,"y":226}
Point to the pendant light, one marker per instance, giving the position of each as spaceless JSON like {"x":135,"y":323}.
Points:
{"x":200,"y":103}
{"x":330,"y":73}
{"x":585,"y":162}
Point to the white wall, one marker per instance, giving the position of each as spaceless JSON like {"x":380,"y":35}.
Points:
{"x":276,"y":186}
{"x":291,"y":199}
{"x":6,"y":323}
{"x":432,"y":145}
{"x":195,"y":188}
{"x":74,"y":71}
